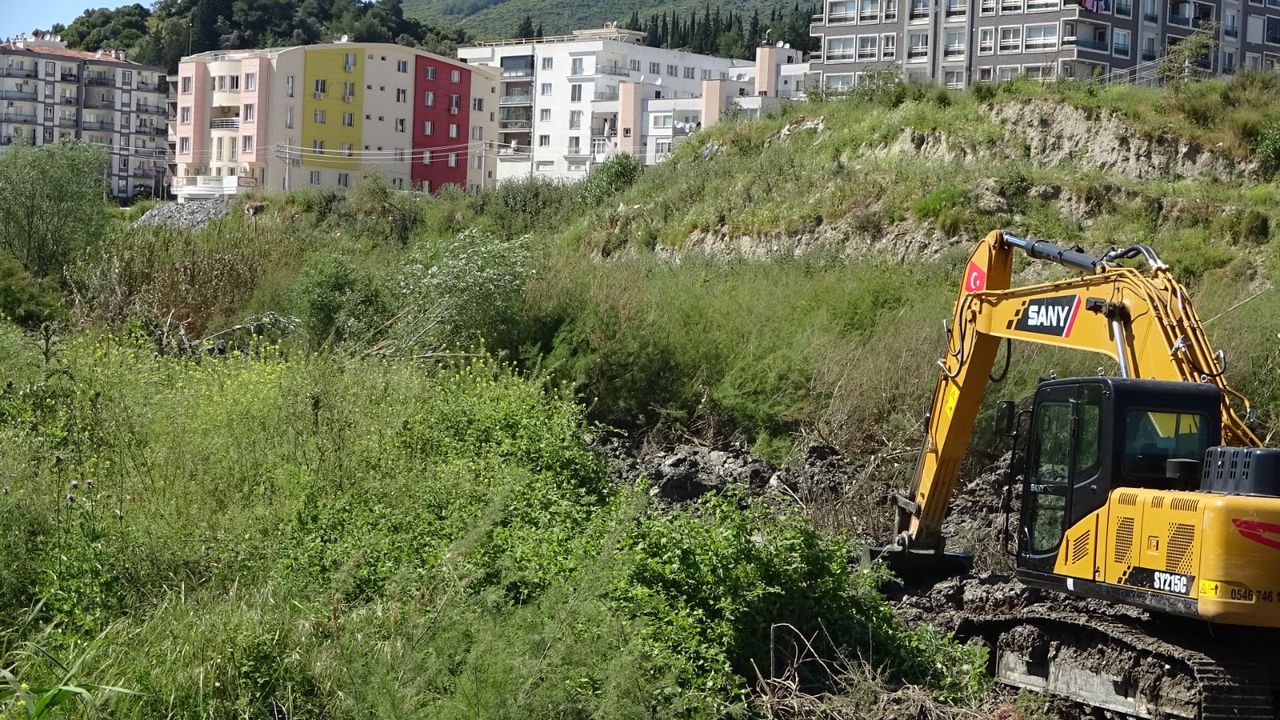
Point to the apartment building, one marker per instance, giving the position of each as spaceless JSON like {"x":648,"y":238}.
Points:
{"x":568,"y":103}
{"x":959,"y":42}
{"x":322,"y":115}
{"x":50,"y":93}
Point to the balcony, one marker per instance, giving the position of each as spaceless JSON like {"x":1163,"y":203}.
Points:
{"x":99,"y":102}
{"x":605,"y":95}
{"x":67,"y":122}
{"x":100,"y":79}
{"x":70,"y":77}
{"x":1231,"y":32}
{"x":517,"y":99}
{"x":515,"y":125}
{"x":613,"y":69}
{"x":17,"y":95}
{"x":514,"y":154}
{"x":1150,"y":17}
{"x":69,"y":100}
{"x":148,"y":86}
{"x":17,"y":117}
{"x":1087,"y":44}
{"x":1148,"y":55}
{"x":6,"y":140}
{"x":224,"y":124}
{"x":143,"y":172}
{"x":602,"y":147}
{"x":151,"y":130}
{"x":509,"y":73}
{"x":150,"y":109}
{"x":98,"y":125}
{"x":14,"y":71}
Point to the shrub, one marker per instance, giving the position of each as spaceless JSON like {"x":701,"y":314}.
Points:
{"x":1267,"y":148}
{"x":339,"y":302}
{"x":53,"y":203}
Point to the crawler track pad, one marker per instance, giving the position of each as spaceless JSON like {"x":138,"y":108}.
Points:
{"x":915,"y":567}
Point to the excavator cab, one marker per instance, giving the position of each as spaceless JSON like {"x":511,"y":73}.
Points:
{"x":1090,"y":436}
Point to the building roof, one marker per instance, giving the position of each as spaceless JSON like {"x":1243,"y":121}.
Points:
{"x":46,"y":47}
{"x":243,"y":54}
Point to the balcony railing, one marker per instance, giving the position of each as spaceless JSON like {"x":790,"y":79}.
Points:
{"x":1176,"y":19}
{"x":613,"y":69}
{"x":1150,"y":17}
{"x":69,"y":100}
{"x":14,"y":71}
{"x":144,"y":172}
{"x":605,"y":96}
{"x":97,"y":125}
{"x":70,"y":77}
{"x":224,"y":124}
{"x":510,"y":154}
{"x":840,"y":17}
{"x":152,"y":109}
{"x":6,"y":139}
{"x":508,"y":73}
{"x":1231,"y":32}
{"x":514,"y":125}
{"x":1087,"y":44}
{"x":1148,"y":55}
{"x":104,"y":80}
{"x":148,"y":86}
{"x":66,"y":122}
{"x":151,"y":130}
{"x":518,"y":99}
{"x":17,"y":95}
{"x":602,"y":146}
{"x":99,"y":102}
{"x":17,"y":117}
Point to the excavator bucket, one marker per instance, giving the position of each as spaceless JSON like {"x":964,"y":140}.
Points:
{"x":917,"y":567}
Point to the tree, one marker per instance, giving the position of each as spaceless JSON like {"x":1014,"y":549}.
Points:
{"x":1181,"y":60}
{"x":54,"y":203}
{"x":525,"y":28}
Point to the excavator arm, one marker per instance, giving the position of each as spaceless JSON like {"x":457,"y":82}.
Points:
{"x":1143,"y":320}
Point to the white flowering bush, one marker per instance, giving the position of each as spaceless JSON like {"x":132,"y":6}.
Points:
{"x":460,"y":292}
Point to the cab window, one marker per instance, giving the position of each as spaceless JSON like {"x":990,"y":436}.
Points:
{"x":1152,"y":437}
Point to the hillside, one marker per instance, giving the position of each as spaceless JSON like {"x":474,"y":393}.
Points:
{"x":385,"y":454}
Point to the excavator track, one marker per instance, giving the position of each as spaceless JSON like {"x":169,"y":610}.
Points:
{"x":1140,"y":667}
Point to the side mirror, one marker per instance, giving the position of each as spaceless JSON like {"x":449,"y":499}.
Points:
{"x":1006,"y":418}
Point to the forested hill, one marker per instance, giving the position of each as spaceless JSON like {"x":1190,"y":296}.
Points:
{"x":173,"y":28}
{"x":169,"y":29}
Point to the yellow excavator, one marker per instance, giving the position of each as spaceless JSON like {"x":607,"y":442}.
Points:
{"x":1145,"y":489}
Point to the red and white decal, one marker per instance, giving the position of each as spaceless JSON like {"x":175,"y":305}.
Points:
{"x":975,"y":278}
{"x":1258,"y":531}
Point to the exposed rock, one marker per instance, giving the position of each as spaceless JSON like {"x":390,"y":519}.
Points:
{"x":191,"y":215}
{"x":817,"y":124}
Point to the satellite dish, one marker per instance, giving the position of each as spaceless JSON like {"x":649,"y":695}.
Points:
{"x":787,"y":45}
{"x":658,"y":81}
{"x":779,"y":44}
{"x":344,"y":38}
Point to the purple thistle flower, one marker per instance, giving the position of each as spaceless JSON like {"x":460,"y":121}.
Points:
{"x":89,"y":483}
{"x":75,"y":484}
{"x":70,"y":498}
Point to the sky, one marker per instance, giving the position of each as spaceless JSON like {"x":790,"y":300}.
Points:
{"x":17,"y":16}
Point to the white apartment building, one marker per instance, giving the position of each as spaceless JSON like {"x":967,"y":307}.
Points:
{"x":569,"y":102}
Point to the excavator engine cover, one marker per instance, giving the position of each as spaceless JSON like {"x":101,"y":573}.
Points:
{"x":1242,"y":471}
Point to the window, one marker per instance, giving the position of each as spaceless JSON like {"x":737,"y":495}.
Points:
{"x":575,"y":66}
{"x":1039,"y":37}
{"x":987,"y":7}
{"x":842,"y":11}
{"x":248,"y":112}
{"x":919,"y":9}
{"x":839,"y":49}
{"x":401,"y":124}
{"x":349,"y":61}
{"x":954,"y":47}
{"x":477,"y":104}
{"x":986,"y":41}
{"x":288,"y":85}
{"x":402,"y":95}
{"x":545,"y":88}
{"x":1040,"y":5}
{"x":575,"y":145}
{"x":689,"y":72}
{"x":288,"y":117}
{"x":706,"y":74}
{"x":250,"y":81}
{"x":322,"y":86}
{"x":673,"y":70}
{"x":50,"y":68}
{"x":453,"y":159}
{"x":348,"y":119}
{"x":185,"y":114}
{"x":953,"y":79}
{"x":430,"y":99}
{"x":1010,"y":6}
{"x":315,"y":177}
{"x":867,"y":47}
{"x":347,"y":150}
{"x":544,"y":115}
{"x":959,"y":8}
{"x":428,"y":128}
{"x":917,"y":46}
{"x":890,"y":10}
{"x":662,"y":121}
{"x":1273,"y":31}
{"x":455,"y":76}
{"x":1231,"y":25}
{"x":402,"y":66}
{"x":477,"y":161}
{"x":1011,"y":39}
{"x":1153,"y":437}
{"x":544,"y":141}
{"x":1119,"y":42}
{"x":477,"y":132}
{"x":344,"y":180}
{"x":548,"y":63}
{"x":426,"y":157}
{"x":1124,"y":8}
{"x":235,"y":83}
{"x":575,"y":93}
{"x":186,"y":85}
{"x":399,"y":154}
{"x":888,"y":47}
{"x":247,"y":143}
{"x":575,"y":120}
{"x":431,"y":73}
{"x":455,"y":104}
{"x":985,"y":74}
{"x":1005,"y":73}
{"x":317,"y":147}
{"x":655,"y":68}
{"x":453,"y":130}
{"x":1038,"y":72}
{"x":318,"y":116}
{"x":184,"y":145}
{"x":869,"y":10}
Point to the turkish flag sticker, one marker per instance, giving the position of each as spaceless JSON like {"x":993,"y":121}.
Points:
{"x":1260,"y":532}
{"x":975,"y":278}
